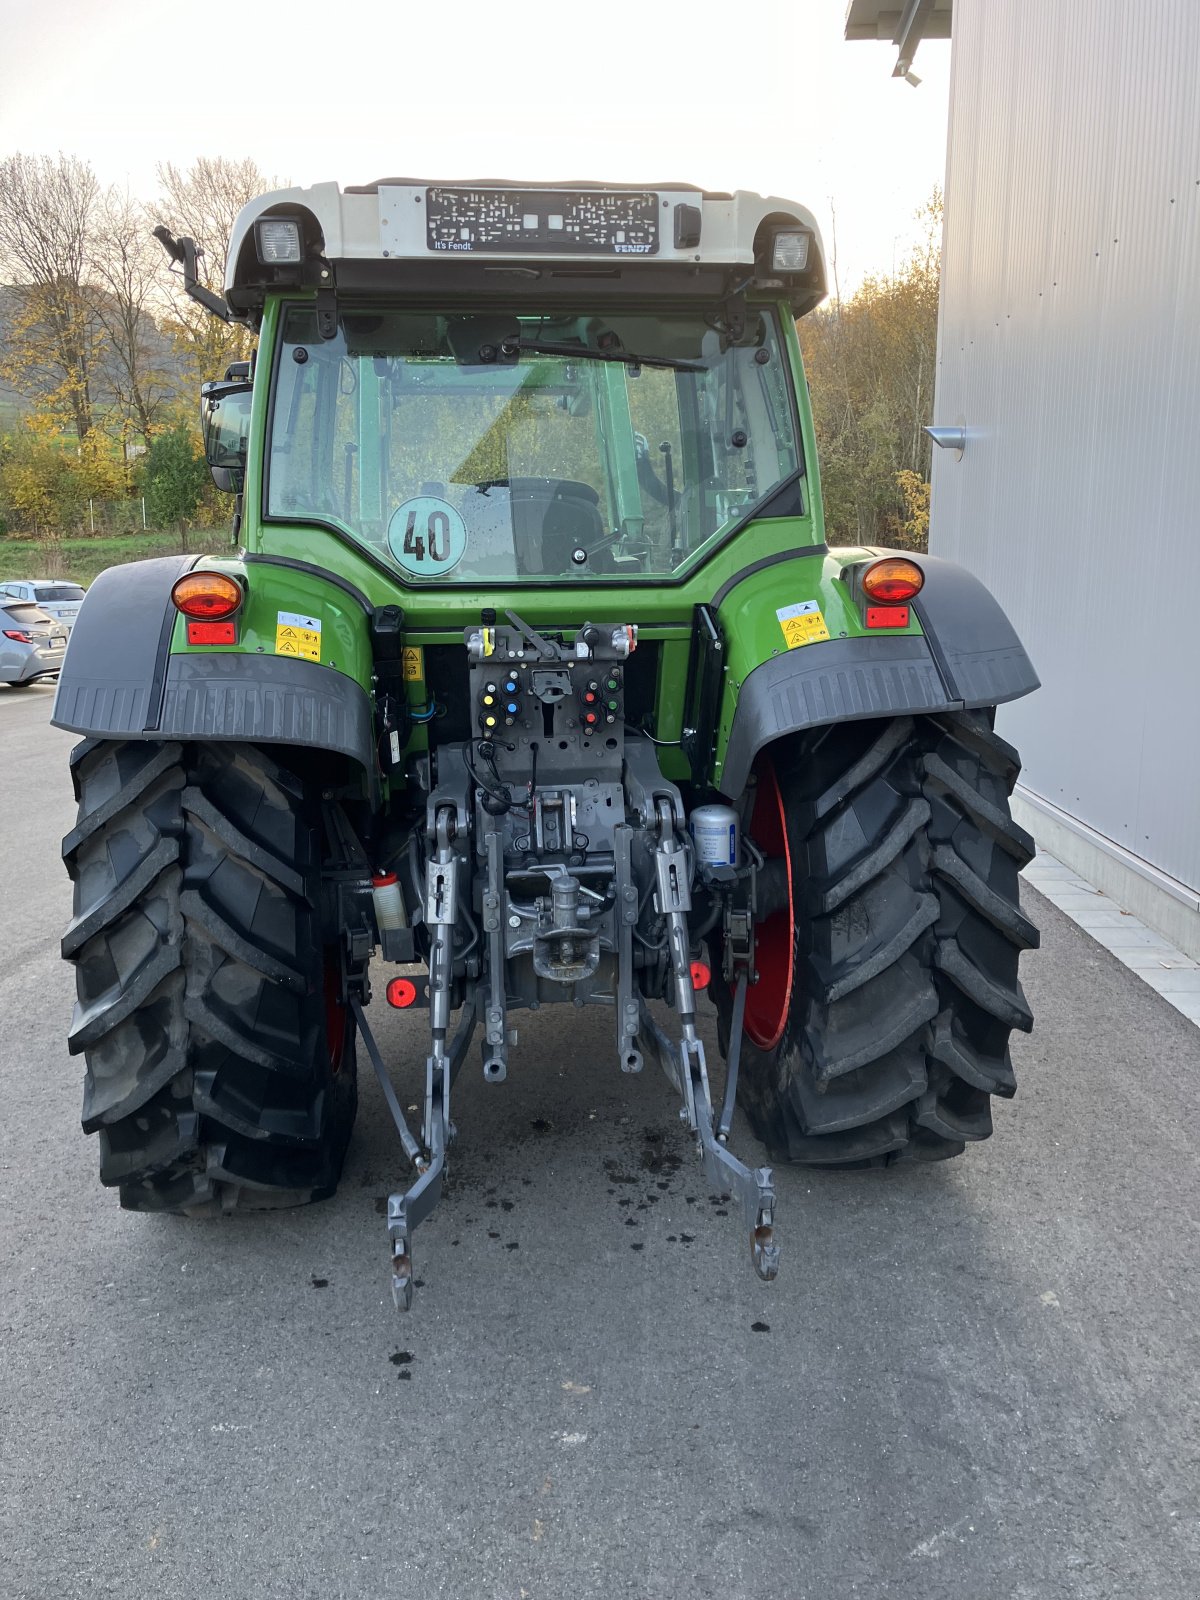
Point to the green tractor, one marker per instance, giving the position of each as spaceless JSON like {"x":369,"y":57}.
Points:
{"x":531,"y":677}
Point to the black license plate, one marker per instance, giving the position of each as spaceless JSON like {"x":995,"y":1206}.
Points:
{"x":550,"y":221}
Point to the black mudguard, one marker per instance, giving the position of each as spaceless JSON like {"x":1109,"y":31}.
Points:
{"x":969,"y":656}
{"x":119,"y":679}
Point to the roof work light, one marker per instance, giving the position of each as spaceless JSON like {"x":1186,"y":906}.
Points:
{"x":278,"y":241}
{"x":789,"y":250}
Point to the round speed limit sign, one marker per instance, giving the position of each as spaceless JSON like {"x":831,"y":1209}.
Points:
{"x":427,"y":536}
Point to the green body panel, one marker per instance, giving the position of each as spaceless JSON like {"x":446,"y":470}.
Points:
{"x":814,"y":505}
{"x":662,"y":608}
{"x":753,"y":631}
{"x":345,"y":646}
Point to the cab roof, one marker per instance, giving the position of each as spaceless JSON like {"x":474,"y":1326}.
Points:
{"x":486,"y":238}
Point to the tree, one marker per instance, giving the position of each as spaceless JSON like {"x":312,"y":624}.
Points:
{"x":127,"y":271}
{"x":871,"y":363}
{"x":46,"y":479}
{"x":203,"y":203}
{"x":915,"y":491}
{"x":175,"y":477}
{"x":36,"y":478}
{"x":46,"y":208}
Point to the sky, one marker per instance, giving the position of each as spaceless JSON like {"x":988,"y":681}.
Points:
{"x":767,"y":97}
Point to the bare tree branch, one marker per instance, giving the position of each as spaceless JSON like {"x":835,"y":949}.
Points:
{"x":46,"y":206}
{"x":125,"y":268}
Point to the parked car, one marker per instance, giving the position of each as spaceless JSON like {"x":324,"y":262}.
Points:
{"x":32,"y":643}
{"x":60,"y":599}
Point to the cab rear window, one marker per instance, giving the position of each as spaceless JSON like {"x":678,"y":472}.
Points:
{"x":553,"y":444}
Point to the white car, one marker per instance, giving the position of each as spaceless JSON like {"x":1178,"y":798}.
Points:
{"x":60,"y":599}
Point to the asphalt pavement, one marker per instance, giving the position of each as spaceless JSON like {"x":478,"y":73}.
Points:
{"x":975,"y":1380}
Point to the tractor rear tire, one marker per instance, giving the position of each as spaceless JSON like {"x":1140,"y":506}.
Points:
{"x":220,"y":1061}
{"x":878,"y":1030}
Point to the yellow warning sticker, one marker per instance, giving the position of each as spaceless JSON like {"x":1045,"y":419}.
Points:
{"x":414,"y":663}
{"x":297,"y":635}
{"x":802,"y":623}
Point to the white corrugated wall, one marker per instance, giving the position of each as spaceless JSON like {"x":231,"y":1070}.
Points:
{"x":1070,"y":348}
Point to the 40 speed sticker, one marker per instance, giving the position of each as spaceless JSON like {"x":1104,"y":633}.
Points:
{"x":427,"y":536}
{"x":802,"y":623}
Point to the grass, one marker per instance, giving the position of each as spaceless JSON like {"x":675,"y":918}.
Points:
{"x":82,"y":559}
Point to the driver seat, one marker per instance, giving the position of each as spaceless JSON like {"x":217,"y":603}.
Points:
{"x":551,"y":517}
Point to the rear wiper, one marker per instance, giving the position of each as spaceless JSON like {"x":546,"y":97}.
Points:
{"x":583,"y":352}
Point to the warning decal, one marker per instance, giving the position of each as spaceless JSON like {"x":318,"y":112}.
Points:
{"x":802,"y":623}
{"x":414,"y":663}
{"x":297,"y":635}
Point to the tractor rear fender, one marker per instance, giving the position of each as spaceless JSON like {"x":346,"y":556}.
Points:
{"x":121,"y":680}
{"x":966,"y":655}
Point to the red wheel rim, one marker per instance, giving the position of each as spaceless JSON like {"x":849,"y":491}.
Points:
{"x":335,"y":1013}
{"x":767,"y":1001}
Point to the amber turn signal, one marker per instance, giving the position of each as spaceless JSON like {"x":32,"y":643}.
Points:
{"x":892,"y":580}
{"x":207,"y":596}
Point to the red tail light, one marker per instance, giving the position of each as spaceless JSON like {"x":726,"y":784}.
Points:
{"x":207,"y":596}
{"x":887,"y":616}
{"x":892,"y":580}
{"x":212,"y":633}
{"x":15,"y":633}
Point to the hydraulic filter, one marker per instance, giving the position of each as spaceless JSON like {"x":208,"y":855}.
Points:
{"x":714,"y":831}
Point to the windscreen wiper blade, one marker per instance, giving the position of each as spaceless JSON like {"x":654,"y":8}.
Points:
{"x":583,"y":352}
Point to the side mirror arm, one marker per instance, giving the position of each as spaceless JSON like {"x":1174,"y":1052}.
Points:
{"x":184,"y":253}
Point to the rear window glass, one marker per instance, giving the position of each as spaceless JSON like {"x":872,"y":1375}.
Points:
{"x":22,"y":611}
{"x":58,"y":591}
